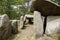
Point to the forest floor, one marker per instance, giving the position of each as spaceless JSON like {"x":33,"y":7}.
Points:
{"x":24,"y":34}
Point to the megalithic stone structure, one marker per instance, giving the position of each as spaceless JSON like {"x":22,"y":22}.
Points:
{"x":46,"y":8}
{"x":38,"y":24}
{"x":53,"y":25}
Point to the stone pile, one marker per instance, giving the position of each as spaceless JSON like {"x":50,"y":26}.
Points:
{"x":38,"y":24}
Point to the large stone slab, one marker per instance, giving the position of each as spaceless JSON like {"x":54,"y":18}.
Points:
{"x":53,"y":25}
{"x":45,"y":7}
{"x":38,"y":24}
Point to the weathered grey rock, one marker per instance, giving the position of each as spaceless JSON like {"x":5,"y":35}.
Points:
{"x":6,"y":32}
{"x":14,"y":24}
{"x":21,"y":22}
{"x":30,"y":18}
{"x":38,"y":24}
{"x":53,"y":25}
{"x":4,"y":20}
{"x":5,"y":28}
{"x":45,"y":7}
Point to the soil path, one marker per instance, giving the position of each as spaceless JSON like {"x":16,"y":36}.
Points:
{"x":24,"y":34}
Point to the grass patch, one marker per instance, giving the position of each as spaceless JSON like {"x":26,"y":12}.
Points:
{"x":55,"y":36}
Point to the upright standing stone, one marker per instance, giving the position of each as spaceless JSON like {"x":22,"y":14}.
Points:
{"x":14,"y":24}
{"x":4,"y":19}
{"x":38,"y":24}
{"x":53,"y":25}
{"x":5,"y":28}
{"x":21,"y":22}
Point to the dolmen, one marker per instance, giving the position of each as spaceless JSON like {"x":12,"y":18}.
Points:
{"x":49,"y":24}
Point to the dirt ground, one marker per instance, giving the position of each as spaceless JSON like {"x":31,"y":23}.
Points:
{"x":24,"y":34}
{"x":28,"y":34}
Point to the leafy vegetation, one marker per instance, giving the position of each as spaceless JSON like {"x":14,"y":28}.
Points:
{"x":56,"y":1}
{"x":13,"y":8}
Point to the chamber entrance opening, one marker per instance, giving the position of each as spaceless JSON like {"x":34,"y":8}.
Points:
{"x":44,"y":26}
